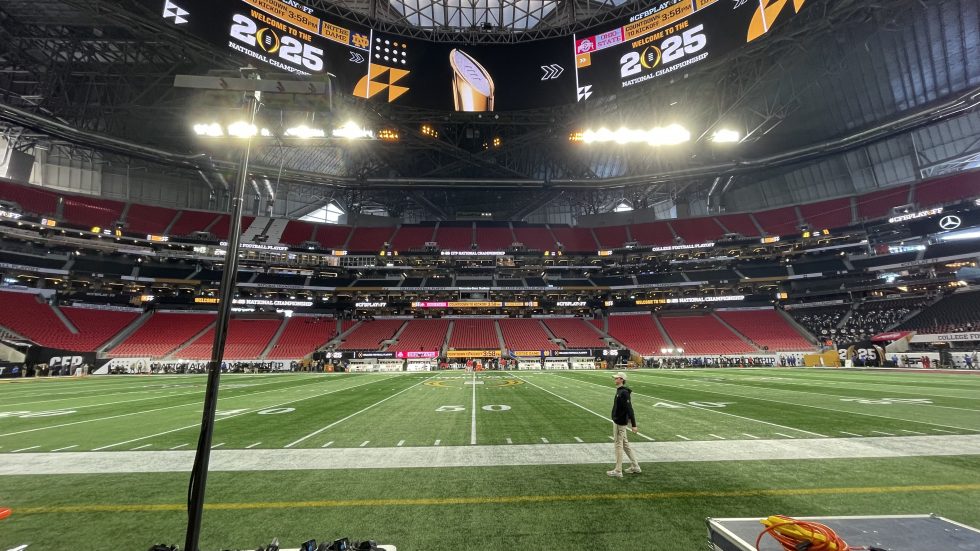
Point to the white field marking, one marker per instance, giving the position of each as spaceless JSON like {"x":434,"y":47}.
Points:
{"x":178,"y":446}
{"x":682,"y":437}
{"x":509,"y":441}
{"x":785,"y":435}
{"x":612,"y":437}
{"x":197,"y":425}
{"x":399,"y":444}
{"x":437,"y":442}
{"x":327,"y":445}
{"x":218,"y":445}
{"x":577,"y":439}
{"x":856,"y":385}
{"x":850,"y":434}
{"x":912,"y":431}
{"x":880,"y":432}
{"x":544,"y":440}
{"x":713,"y":410}
{"x":164,"y":388}
{"x":364,"y":443}
{"x":716,"y":436}
{"x":946,"y":431}
{"x":25,"y":449}
{"x":250,"y":446}
{"x":335,"y":423}
{"x":66,"y":448}
{"x":810,"y":406}
{"x":249,"y":395}
{"x":601,"y":416}
{"x":752,"y":436}
{"x":139,"y":447}
{"x":473,"y":423}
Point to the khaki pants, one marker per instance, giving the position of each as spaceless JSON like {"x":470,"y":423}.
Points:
{"x":622,"y":444}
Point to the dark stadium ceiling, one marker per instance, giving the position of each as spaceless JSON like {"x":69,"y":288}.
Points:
{"x":839,"y":69}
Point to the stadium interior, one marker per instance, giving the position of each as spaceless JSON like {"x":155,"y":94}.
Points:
{"x":585,"y":185}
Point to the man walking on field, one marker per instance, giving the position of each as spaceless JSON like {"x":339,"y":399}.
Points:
{"x":622,"y":416}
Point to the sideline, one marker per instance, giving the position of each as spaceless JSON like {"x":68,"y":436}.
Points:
{"x":469,"y":456}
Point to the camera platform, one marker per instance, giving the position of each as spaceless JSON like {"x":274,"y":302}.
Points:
{"x":892,"y":532}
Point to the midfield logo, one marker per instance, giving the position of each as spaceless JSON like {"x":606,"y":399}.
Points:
{"x":368,"y":87}
{"x":173,"y":10}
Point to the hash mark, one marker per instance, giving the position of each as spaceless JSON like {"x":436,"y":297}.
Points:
{"x":250,"y":446}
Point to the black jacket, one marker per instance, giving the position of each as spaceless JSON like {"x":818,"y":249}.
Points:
{"x":622,"y":411}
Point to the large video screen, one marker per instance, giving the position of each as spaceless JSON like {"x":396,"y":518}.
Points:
{"x":668,"y":37}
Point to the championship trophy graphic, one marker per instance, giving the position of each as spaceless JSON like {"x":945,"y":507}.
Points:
{"x":472,"y":84}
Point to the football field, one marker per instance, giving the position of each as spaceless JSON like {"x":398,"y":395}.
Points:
{"x":492,"y":460}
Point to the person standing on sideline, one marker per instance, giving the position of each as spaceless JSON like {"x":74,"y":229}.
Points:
{"x":622,"y":416}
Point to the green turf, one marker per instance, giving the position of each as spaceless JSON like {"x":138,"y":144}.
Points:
{"x":586,"y":509}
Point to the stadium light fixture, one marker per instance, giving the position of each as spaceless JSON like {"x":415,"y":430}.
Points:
{"x":352,"y":131}
{"x":242,"y":129}
{"x":668,"y":135}
{"x":305,"y":132}
{"x":212,"y":130}
{"x":726,"y":135}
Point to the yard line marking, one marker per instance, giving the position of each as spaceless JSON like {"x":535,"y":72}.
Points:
{"x":335,"y":423}
{"x":544,"y":440}
{"x":850,"y":434}
{"x":197,"y":425}
{"x":722,"y":412}
{"x":941,"y":430}
{"x":577,"y":439}
{"x":751,"y":436}
{"x":796,"y":404}
{"x":140,"y":447}
{"x":785,"y":435}
{"x":494,"y":500}
{"x":509,"y":441}
{"x":327,"y":445}
{"x":473,"y":414}
{"x":25,"y":449}
{"x":250,"y":446}
{"x":66,"y":448}
{"x":218,"y":445}
{"x":178,"y":446}
{"x":912,"y":431}
{"x":364,"y":443}
{"x":716,"y":436}
{"x":399,"y":444}
{"x":682,"y":437}
{"x":574,"y":403}
{"x":249,"y":395}
{"x":612,"y":437}
{"x":880,"y":432}
{"x":437,"y":442}
{"x":171,"y":392}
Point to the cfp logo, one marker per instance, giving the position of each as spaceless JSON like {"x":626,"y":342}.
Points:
{"x":65,"y":361}
{"x":368,"y":87}
{"x":766,"y":14}
{"x":173,"y":10}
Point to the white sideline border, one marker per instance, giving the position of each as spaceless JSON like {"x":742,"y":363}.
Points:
{"x":64,"y":463}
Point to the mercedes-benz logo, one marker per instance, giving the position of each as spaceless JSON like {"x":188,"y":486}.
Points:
{"x":950,"y":222}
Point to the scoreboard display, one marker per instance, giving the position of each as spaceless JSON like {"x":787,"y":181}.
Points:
{"x":666,"y":38}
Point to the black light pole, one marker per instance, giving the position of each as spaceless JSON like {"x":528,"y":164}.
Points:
{"x":199,"y":473}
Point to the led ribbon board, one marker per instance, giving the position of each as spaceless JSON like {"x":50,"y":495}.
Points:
{"x":670,"y":37}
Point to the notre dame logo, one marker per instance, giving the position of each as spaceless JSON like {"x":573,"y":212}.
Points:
{"x":359,"y":40}
{"x":766,"y":14}
{"x":368,"y":87}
